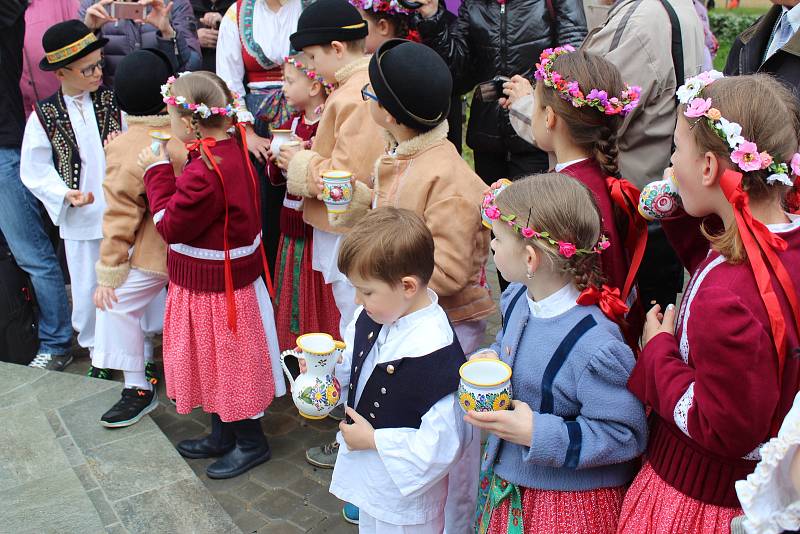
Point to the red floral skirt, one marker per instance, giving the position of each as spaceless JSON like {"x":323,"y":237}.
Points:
{"x":655,"y":507}
{"x":208,"y":365}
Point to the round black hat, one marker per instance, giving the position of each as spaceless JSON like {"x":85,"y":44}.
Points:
{"x":328,"y":20}
{"x":412,"y":82}
{"x":138,"y":80}
{"x":67,"y":42}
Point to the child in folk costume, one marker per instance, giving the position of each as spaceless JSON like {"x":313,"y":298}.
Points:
{"x":220,"y":345}
{"x":63,"y":163}
{"x":404,"y":432}
{"x":563,"y":456}
{"x":304,"y":301}
{"x":721,"y":376}
{"x":132,"y":269}
{"x":580,"y":103}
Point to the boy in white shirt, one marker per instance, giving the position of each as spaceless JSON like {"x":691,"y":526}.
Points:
{"x":63,"y":162}
{"x":404,"y":431}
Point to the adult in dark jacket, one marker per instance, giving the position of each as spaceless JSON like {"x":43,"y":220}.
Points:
{"x":760,"y":48}
{"x":170,"y":27}
{"x":209,"y":15}
{"x":491,"y":38}
{"x":20,"y":217}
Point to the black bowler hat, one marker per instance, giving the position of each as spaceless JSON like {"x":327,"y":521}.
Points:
{"x":67,"y":42}
{"x":412,"y":82}
{"x":138,"y":80}
{"x":328,"y":20}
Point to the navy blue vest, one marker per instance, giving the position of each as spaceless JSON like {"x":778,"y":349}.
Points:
{"x":398,"y":393}
{"x":53,"y":116}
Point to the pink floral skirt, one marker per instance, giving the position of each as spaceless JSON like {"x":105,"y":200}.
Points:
{"x":655,"y":507}
{"x":208,"y":365}
{"x":560,"y":512}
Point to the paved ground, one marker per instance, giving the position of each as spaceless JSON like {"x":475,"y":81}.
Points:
{"x":284,"y":495}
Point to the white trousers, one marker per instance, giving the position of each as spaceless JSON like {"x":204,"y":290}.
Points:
{"x":121,"y":329}
{"x":462,"y":486}
{"x":345,"y":296}
{"x":369,"y":525}
{"x":81,"y":258}
{"x":268,"y":321}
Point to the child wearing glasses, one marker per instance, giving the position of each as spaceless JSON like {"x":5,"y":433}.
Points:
{"x":63,"y":163}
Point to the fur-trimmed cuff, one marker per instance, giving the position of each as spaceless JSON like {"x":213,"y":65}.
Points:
{"x":113,"y":277}
{"x":297,"y":174}
{"x":359,"y":206}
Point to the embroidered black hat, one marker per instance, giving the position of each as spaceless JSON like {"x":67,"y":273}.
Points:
{"x":137,"y":94}
{"x":67,"y":42}
{"x":328,"y":20}
{"x":412,"y":82}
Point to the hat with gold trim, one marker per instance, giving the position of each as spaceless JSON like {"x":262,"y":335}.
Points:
{"x":325,"y":21}
{"x":67,"y":42}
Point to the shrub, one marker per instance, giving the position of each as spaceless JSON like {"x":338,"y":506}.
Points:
{"x":727,"y":25}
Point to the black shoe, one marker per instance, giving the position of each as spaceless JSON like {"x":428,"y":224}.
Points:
{"x":97,"y":372}
{"x":251,"y":450}
{"x":134,"y":404}
{"x":151,"y":373}
{"x":220,"y":441}
{"x":51,"y":362}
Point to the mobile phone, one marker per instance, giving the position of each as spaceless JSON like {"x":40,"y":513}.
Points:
{"x":127,"y":10}
{"x":492,"y":90}
{"x":410,"y":4}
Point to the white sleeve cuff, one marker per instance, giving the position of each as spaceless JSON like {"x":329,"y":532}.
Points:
{"x":162,"y":162}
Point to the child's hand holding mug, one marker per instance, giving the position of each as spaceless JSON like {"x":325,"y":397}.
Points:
{"x":147,"y":157}
{"x":485,"y":353}
{"x":287,"y":153}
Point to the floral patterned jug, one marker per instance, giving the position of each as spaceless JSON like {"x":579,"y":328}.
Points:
{"x":317,"y":391}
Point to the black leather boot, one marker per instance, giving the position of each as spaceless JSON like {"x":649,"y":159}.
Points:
{"x":251,"y":450}
{"x":220,"y":441}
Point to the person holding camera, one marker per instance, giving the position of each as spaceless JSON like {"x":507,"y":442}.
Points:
{"x":168,"y":25}
{"x":493,"y":38}
{"x":209,"y":15}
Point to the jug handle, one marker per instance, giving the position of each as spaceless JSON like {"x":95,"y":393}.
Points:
{"x":290,"y":352}
{"x":339,"y":347}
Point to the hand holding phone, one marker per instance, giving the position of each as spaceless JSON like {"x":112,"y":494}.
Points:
{"x":127,"y":10}
{"x":492,"y":90}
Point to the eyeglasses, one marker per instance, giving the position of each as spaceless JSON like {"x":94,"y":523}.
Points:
{"x":89,"y":71}
{"x":366,"y":95}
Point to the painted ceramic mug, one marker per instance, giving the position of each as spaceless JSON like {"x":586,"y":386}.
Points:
{"x":279,"y":137}
{"x":502,"y":184}
{"x":337,"y":190}
{"x":659,"y":199}
{"x":485,"y":385}
{"x":159,"y":141}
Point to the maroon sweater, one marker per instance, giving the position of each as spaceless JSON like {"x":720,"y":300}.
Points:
{"x":713,"y":386}
{"x":190,"y":214}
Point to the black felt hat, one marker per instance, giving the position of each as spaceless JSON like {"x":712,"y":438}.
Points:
{"x":67,"y":42}
{"x":138,"y":80}
{"x":412,"y":82}
{"x":328,"y":20}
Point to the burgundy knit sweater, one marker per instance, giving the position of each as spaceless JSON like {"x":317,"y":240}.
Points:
{"x":189,"y":211}
{"x":713,"y":386}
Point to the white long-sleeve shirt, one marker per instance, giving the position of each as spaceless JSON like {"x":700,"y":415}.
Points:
{"x":38,"y":172}
{"x":404,"y":481}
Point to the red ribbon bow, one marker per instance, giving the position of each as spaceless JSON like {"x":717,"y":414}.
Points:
{"x":625,"y":195}
{"x":760,"y":243}
{"x":607,"y":299}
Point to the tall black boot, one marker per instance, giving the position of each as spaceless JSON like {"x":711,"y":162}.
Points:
{"x":251,"y":450}
{"x":220,"y":441}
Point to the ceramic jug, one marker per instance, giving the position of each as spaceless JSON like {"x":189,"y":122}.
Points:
{"x":315,"y":392}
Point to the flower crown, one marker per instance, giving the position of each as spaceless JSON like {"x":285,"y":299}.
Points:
{"x":201,"y":109}
{"x":310,"y":73}
{"x":744,"y":153}
{"x":571,"y":91}
{"x":391,"y":7}
{"x":565,"y":248}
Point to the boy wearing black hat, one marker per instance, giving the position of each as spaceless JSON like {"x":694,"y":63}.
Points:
{"x":332,"y":34}
{"x":132,"y":269}
{"x":423,"y":172}
{"x":63,"y":163}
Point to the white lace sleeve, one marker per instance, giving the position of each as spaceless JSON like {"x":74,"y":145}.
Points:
{"x":768,"y":496}
{"x":681,"y":412}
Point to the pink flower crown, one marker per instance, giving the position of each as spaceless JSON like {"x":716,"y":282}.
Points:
{"x":571,"y":91}
{"x":201,"y":109}
{"x":491,"y":212}
{"x":391,"y":7}
{"x":744,"y":153}
{"x":309,"y":73}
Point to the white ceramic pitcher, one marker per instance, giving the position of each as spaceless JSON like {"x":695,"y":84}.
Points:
{"x":317,"y":391}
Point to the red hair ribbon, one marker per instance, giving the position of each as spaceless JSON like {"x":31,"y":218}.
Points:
{"x":760,"y":243}
{"x":625,"y":195}
{"x":204,"y":146}
{"x":607,"y":299}
{"x":256,"y":203}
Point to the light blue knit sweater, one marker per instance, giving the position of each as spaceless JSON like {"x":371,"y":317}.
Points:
{"x":594,"y":428}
